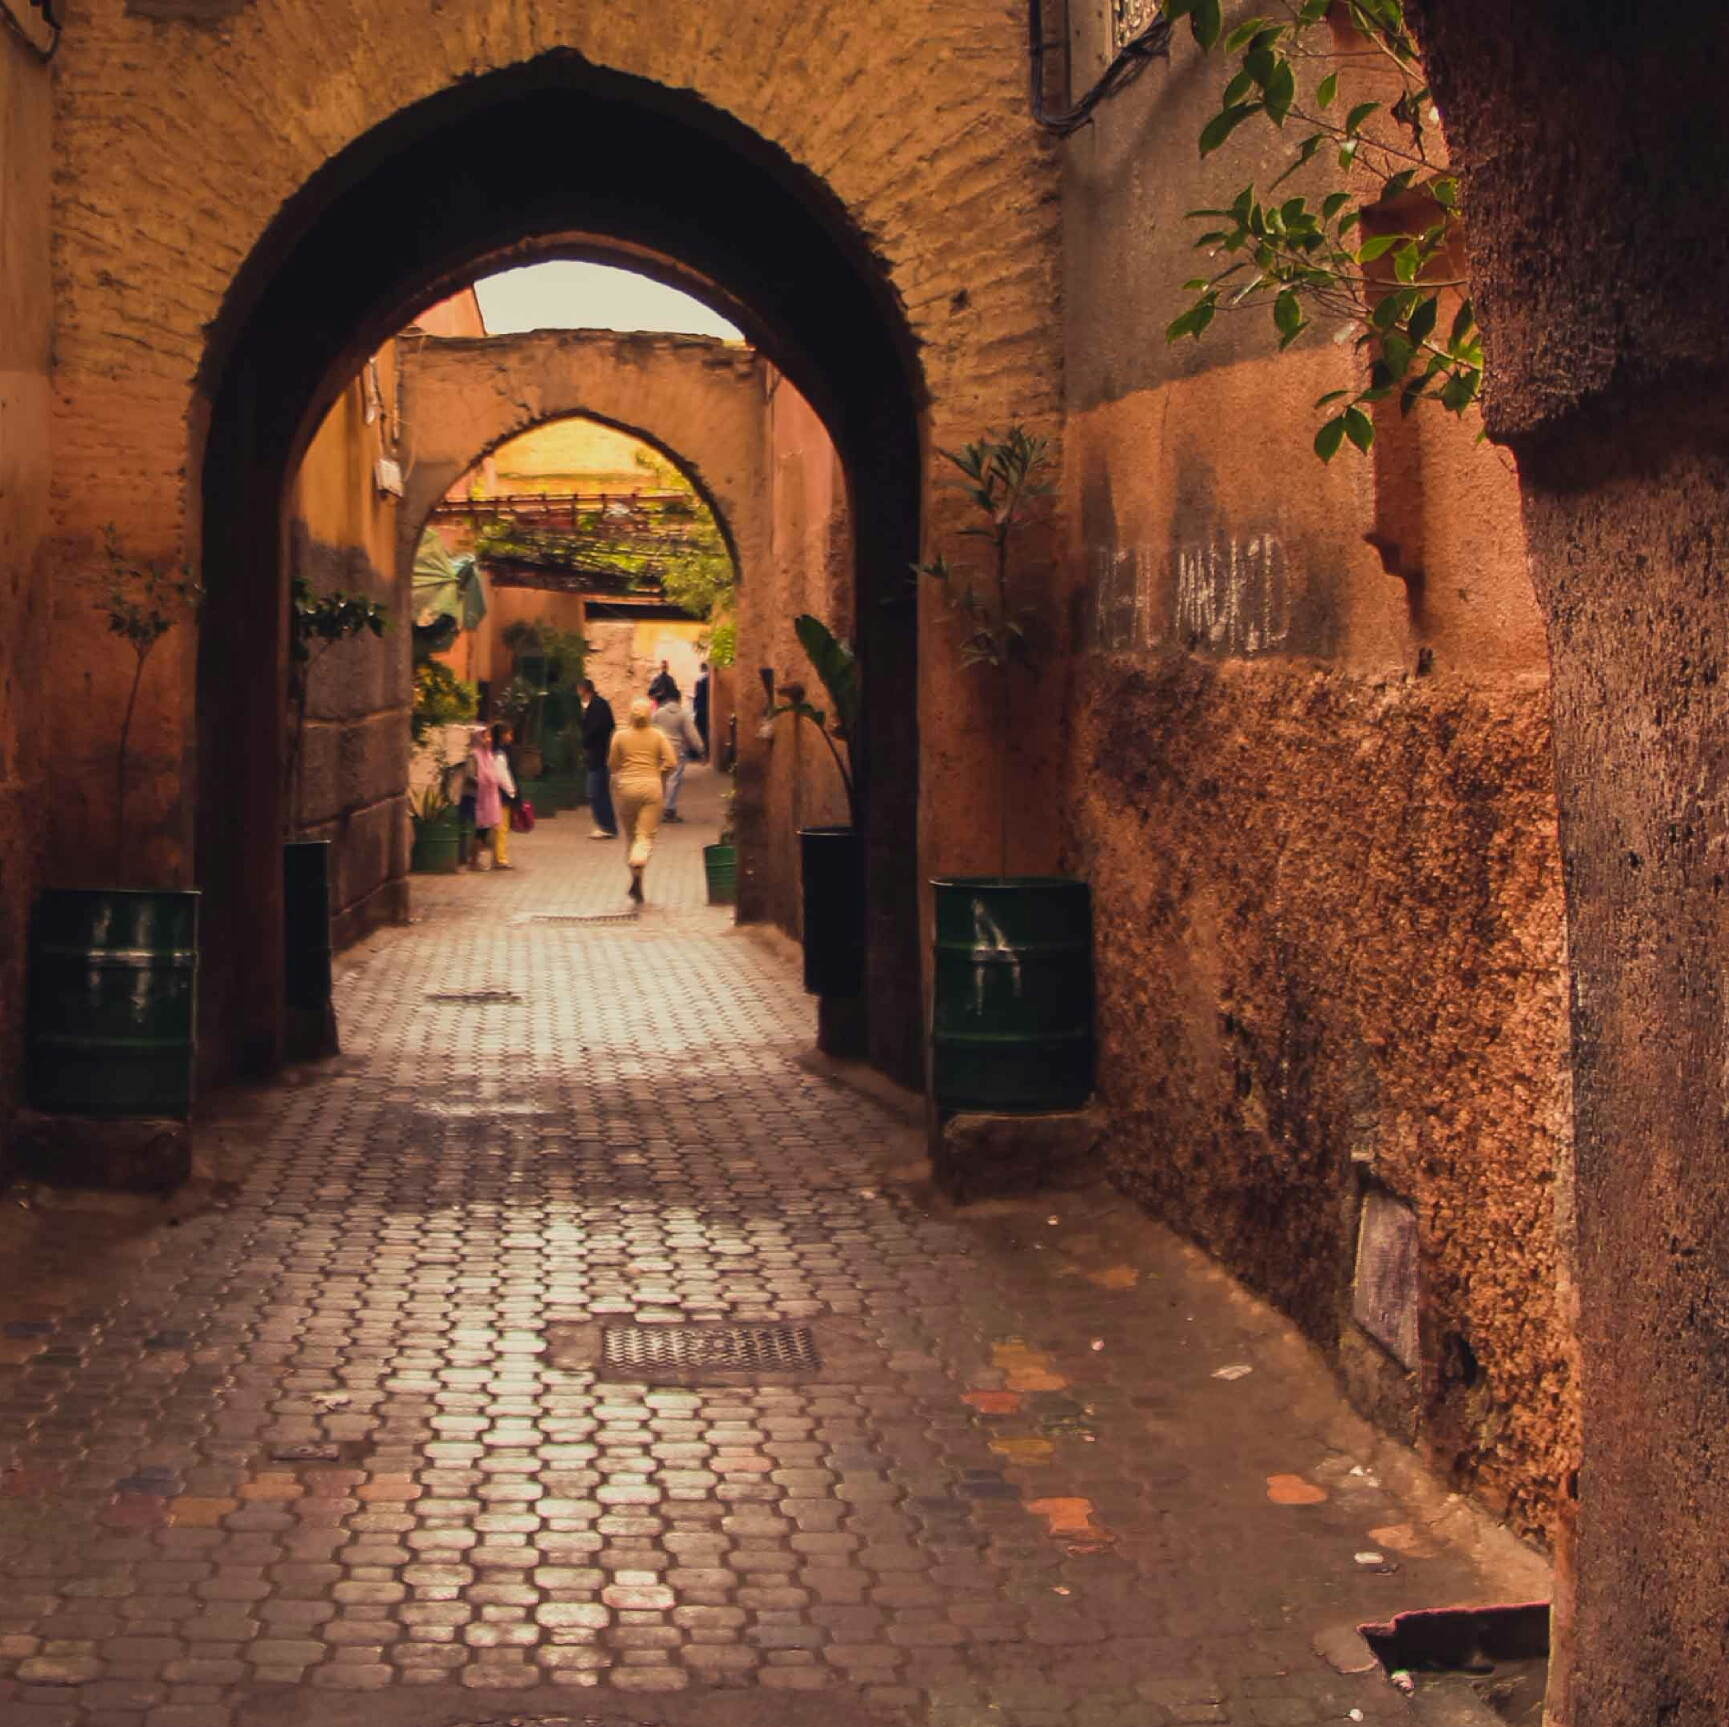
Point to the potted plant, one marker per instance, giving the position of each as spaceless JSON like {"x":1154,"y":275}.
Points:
{"x":440,"y":700}
{"x":1011,"y":1020}
{"x":114,"y":971}
{"x":316,"y":624}
{"x":831,"y":859}
{"x":720,"y":860}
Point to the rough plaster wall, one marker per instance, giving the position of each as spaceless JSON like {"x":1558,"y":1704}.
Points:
{"x":788,"y":779}
{"x":353,"y":768}
{"x":1593,"y":154}
{"x":1328,"y":890}
{"x":26,"y":155}
{"x":181,"y":141}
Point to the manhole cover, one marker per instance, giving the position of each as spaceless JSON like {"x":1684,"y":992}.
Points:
{"x":480,"y":997}
{"x":649,"y":1349}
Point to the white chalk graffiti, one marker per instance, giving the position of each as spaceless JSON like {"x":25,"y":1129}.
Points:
{"x":1233,"y":598}
{"x":1230,"y":597}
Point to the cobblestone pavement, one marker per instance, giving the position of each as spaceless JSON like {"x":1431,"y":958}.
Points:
{"x":327,"y":1439}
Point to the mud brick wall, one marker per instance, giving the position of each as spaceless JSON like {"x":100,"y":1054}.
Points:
{"x":1311,"y":785}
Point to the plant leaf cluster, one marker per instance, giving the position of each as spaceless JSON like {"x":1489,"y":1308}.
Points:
{"x":441,"y":699}
{"x":318,"y":622}
{"x":145,"y":600}
{"x":1372,"y":253}
{"x":1004,"y":476}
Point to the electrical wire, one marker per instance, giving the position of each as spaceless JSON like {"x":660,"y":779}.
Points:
{"x":1153,"y":43}
{"x":50,"y":16}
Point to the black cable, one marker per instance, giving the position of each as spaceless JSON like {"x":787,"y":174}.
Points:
{"x":50,"y":10}
{"x":1153,"y":43}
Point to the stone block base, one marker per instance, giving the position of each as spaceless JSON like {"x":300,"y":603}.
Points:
{"x":147,"y":1156}
{"x":993,"y":1156}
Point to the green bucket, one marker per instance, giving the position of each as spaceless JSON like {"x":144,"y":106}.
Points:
{"x":1012,"y":1006}
{"x":113,"y":1002}
{"x":720,"y":865}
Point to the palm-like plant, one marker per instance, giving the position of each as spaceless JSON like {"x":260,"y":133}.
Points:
{"x":836,"y":665}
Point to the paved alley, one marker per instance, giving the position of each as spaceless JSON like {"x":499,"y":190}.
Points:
{"x":373,"y":1425}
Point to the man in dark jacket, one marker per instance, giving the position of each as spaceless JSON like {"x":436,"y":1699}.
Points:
{"x":598,"y":726}
{"x":664,"y":687}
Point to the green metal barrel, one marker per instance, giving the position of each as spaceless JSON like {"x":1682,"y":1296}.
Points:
{"x":113,"y":1002}
{"x":1012,"y":1010}
{"x":720,"y":867}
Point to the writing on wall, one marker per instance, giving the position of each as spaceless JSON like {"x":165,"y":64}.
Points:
{"x":1233,"y":595}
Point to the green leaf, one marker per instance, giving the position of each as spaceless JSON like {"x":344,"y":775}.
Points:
{"x":1422,"y":321}
{"x":1407,"y":261}
{"x":1194,"y":285}
{"x":1347,"y":222}
{"x":1224,"y":123}
{"x":1394,"y":184}
{"x":837,"y":666}
{"x":1463,"y":319}
{"x":1333,"y":203}
{"x":1386,"y":312}
{"x":1347,"y":153}
{"x":1243,"y":34}
{"x":1331,"y":396}
{"x":1287,"y":314}
{"x":1412,"y":394}
{"x":1305,"y":153}
{"x":1359,"y":428}
{"x":1206,"y":20}
{"x":1356,"y":117}
{"x":1281,"y":92}
{"x":1326,"y":90}
{"x":1378,"y":247}
{"x":1238,"y":88}
{"x":1328,"y":439}
{"x":1445,"y":191}
{"x":1397,"y":352}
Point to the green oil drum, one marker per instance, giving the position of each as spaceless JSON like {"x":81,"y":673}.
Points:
{"x":437,"y":846}
{"x":1012,"y":1006}
{"x":720,"y":867}
{"x":113,"y":1002}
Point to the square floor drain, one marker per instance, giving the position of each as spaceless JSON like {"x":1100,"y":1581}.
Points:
{"x":647,"y":1350}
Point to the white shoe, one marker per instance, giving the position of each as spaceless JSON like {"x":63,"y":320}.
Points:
{"x":602,"y":834}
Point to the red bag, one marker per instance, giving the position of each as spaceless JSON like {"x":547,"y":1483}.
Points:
{"x":522,"y":817}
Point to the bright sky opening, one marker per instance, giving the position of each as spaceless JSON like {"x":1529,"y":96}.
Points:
{"x":562,"y":295}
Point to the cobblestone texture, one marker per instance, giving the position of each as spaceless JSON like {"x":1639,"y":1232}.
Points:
{"x":301,"y":1438}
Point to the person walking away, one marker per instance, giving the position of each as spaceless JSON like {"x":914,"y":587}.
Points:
{"x":484,"y":770}
{"x":699,"y":706}
{"x":663,"y":688}
{"x":671,"y":718}
{"x":504,"y":759}
{"x":598,"y":726}
{"x":641,"y":756}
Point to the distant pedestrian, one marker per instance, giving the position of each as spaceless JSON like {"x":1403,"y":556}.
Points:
{"x":671,"y":718}
{"x":663,"y":688}
{"x":598,"y":726}
{"x":641,"y":757}
{"x":504,"y":757}
{"x":699,"y":706}
{"x":490,"y":775}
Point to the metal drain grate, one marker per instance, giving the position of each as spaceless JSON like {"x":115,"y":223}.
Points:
{"x":710,"y":1348}
{"x":480,"y":997}
{"x":573,"y":917}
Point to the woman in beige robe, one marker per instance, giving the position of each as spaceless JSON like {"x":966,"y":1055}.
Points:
{"x":640,"y":759}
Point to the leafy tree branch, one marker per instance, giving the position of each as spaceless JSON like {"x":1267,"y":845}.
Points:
{"x":1374,"y":252}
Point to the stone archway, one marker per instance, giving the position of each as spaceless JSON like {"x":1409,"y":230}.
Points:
{"x":698,"y":401}
{"x":286,"y":336}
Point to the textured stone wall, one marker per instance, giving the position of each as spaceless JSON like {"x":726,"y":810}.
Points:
{"x":353,"y":767}
{"x":787,"y":779}
{"x":1311,"y":787}
{"x":26,"y":310}
{"x":1593,"y":158}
